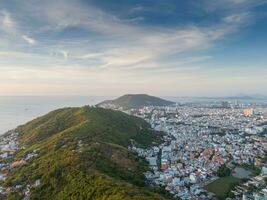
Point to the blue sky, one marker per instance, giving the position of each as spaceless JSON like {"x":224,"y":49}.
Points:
{"x":160,"y":47}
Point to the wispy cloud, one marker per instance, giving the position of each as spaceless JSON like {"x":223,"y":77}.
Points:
{"x":46,"y":34}
{"x":239,"y":18}
{"x":231,"y":5}
{"x":29,"y":40}
{"x":7,"y":22}
{"x":124,"y":44}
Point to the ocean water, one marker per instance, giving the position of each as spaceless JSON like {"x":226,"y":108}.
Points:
{"x":16,"y":111}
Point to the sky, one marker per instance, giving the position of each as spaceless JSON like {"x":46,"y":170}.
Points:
{"x":159,"y":47}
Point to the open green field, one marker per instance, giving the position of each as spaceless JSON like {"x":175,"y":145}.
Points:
{"x":222,"y":186}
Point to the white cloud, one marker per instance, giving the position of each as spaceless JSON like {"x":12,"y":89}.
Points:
{"x":117,"y":48}
{"x":250,"y":3}
{"x":125,"y":43}
{"x":65,"y":54}
{"x":12,"y":32}
{"x":229,"y":7}
{"x":7,"y":22}
{"x":60,"y":53}
{"x":130,"y":44}
{"x":28,"y":39}
{"x":239,"y":18}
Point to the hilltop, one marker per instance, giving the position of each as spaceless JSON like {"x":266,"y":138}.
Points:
{"x":81,"y":153}
{"x":129,"y":101}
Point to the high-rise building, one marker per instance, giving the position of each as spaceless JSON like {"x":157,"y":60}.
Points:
{"x":226,"y":104}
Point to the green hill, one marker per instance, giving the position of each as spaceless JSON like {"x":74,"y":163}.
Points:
{"x":82,"y":154}
{"x":135,"y":101}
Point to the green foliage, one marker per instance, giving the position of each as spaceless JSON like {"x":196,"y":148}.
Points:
{"x":223,"y":171}
{"x":101,"y":167}
{"x":252,"y":168}
{"x":138,"y":100}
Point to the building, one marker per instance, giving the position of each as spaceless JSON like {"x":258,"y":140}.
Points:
{"x":152,"y":161}
{"x":226,"y":104}
{"x":264,"y":170}
{"x":248,"y":112}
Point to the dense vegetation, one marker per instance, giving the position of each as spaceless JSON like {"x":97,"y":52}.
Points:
{"x":252,"y":168}
{"x":224,"y":171}
{"x":137,"y":100}
{"x":82,"y":154}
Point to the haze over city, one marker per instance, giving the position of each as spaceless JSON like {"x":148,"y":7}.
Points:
{"x":166,"y":48}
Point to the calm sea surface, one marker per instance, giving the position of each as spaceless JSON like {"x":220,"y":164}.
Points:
{"x":15,"y":111}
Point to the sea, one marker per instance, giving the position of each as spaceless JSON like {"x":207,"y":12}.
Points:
{"x":17,"y":110}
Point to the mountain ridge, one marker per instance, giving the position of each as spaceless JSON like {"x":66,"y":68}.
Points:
{"x":129,"y":101}
{"x":81,"y":153}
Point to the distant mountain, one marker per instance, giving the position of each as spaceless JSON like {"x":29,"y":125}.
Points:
{"x":240,"y":97}
{"x":81,"y":153}
{"x":129,"y":101}
{"x":248,"y":97}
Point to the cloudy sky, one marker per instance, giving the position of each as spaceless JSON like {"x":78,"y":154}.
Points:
{"x":160,"y":47}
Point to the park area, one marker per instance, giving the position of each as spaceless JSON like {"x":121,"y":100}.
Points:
{"x":222,"y":186}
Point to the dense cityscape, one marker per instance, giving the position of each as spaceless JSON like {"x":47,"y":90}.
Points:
{"x":133,"y":100}
{"x":202,"y":140}
{"x":206,"y":146}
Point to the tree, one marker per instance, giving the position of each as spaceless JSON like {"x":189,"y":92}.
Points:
{"x":223,"y":171}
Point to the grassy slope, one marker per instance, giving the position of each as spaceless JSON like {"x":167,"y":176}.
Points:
{"x":102,"y":168}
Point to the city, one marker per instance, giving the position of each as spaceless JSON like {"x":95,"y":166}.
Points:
{"x":205,"y":146}
{"x":201,"y":139}
{"x":133,"y":100}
